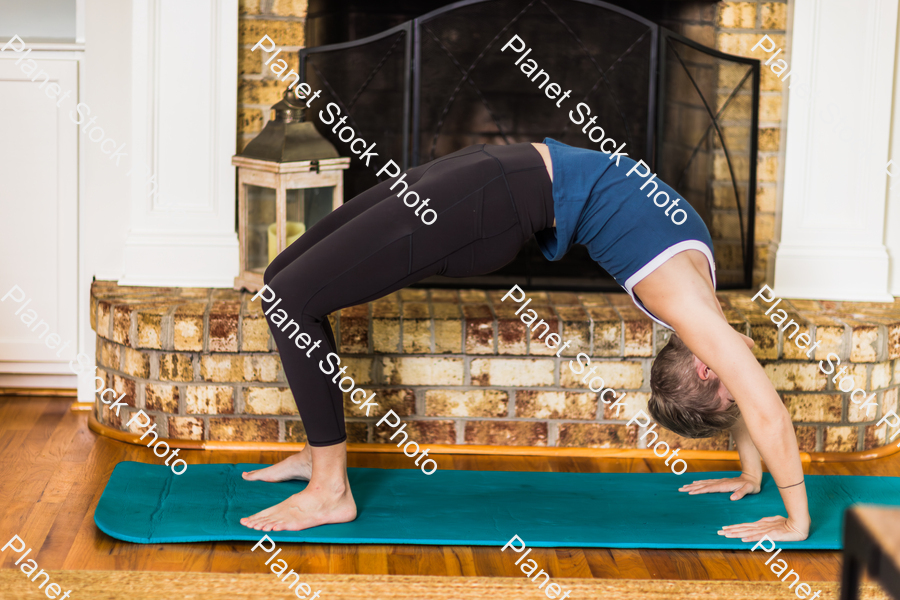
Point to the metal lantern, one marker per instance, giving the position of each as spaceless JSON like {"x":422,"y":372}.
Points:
{"x":289,"y":177}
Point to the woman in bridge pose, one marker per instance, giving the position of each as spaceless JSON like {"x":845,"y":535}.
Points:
{"x":489,"y":201}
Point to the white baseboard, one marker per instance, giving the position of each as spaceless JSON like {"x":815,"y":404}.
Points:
{"x":181,"y":259}
{"x":15,"y":380}
{"x":833,"y":272}
{"x":57,"y":367}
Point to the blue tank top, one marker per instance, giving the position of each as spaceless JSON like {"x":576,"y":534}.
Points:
{"x":625,"y":229}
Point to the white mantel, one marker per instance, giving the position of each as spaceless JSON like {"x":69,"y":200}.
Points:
{"x":834,"y":244}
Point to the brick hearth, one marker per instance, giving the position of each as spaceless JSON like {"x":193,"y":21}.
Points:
{"x":458,"y":366}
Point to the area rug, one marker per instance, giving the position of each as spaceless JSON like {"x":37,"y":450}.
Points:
{"x":147,"y":504}
{"x":152,"y":585}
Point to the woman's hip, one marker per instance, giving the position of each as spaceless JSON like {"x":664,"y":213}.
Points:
{"x":511,"y":180}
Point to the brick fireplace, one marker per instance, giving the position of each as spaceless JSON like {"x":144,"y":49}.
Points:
{"x":458,"y":366}
{"x":454,"y":362}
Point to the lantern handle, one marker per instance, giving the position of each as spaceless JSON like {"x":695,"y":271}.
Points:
{"x":289,"y":98}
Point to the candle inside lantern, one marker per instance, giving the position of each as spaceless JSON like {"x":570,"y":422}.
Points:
{"x":294,"y":230}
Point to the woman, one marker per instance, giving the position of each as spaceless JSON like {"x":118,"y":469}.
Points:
{"x":489,"y":201}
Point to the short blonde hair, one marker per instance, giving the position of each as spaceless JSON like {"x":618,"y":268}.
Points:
{"x":682,"y":402}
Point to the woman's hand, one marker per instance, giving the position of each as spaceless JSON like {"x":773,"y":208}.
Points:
{"x":778,"y":529}
{"x":740,"y":486}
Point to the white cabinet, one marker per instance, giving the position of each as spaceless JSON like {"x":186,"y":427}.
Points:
{"x":38,"y":223}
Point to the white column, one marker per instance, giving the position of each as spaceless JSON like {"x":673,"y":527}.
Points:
{"x":833,"y":213}
{"x":184,"y":73}
{"x":892,"y":227}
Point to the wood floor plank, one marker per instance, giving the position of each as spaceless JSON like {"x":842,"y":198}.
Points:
{"x":373,"y":558}
{"x":37,"y":528}
{"x":458,"y":561}
{"x":22,"y":413}
{"x":61,"y":483}
{"x":91,"y":548}
{"x":65,"y":526}
{"x":602,"y":563}
{"x":571,"y":562}
{"x":492,"y":562}
{"x":12,"y":522}
{"x":13,"y":474}
{"x":688,"y":565}
{"x":630,"y":563}
{"x":9,"y":440}
{"x":402,"y":560}
{"x":66,"y":443}
{"x":717,"y":565}
{"x":430,"y":560}
{"x":32,"y":536}
{"x":29,"y":472}
{"x":39,"y":434}
{"x":750,"y":566}
{"x":342,"y":559}
{"x":660,"y":563}
{"x":314,"y":557}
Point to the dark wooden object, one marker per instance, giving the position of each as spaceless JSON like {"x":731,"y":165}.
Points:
{"x":871,"y":545}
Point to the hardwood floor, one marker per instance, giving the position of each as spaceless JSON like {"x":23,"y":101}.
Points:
{"x":54,"y":470}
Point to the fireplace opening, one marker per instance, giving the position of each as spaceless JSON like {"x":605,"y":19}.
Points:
{"x":425,"y":78}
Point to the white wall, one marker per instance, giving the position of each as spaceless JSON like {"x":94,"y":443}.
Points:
{"x":43,"y":20}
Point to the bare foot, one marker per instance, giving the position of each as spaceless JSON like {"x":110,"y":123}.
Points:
{"x":312,"y":507}
{"x":297,"y":466}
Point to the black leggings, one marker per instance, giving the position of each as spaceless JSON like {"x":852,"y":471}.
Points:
{"x":489,"y":201}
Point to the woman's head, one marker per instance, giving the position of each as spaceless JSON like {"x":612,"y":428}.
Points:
{"x":686,"y":397}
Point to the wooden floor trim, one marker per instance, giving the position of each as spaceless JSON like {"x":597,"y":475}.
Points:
{"x":806,"y":457}
{"x":58,"y":392}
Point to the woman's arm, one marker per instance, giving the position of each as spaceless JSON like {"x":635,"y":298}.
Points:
{"x":751,"y":464}
{"x":748,"y":482}
{"x":721,"y":348}
{"x":678,"y":293}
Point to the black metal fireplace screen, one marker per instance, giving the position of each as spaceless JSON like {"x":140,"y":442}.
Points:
{"x":439,"y":83}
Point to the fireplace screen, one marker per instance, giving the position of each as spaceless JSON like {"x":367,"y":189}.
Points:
{"x":706,"y":137}
{"x":439,"y":83}
{"x":369,"y":80}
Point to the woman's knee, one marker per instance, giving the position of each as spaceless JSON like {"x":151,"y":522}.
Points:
{"x":278,"y":310}
{"x":290,"y":293}
{"x":274,"y":269}
{"x":279,"y":284}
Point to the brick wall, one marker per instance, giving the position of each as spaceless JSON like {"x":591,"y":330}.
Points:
{"x":461,"y":368}
{"x":283,"y":21}
{"x":740,"y":26}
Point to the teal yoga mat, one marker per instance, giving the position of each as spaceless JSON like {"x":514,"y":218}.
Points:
{"x":148,"y":504}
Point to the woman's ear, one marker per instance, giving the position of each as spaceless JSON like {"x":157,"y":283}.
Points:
{"x":703,"y":371}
